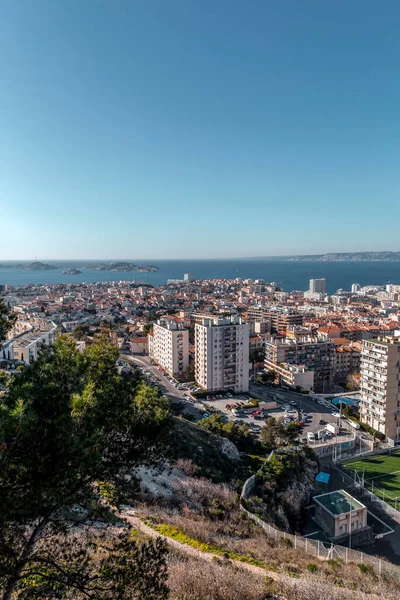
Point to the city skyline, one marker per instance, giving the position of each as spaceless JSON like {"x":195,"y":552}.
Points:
{"x":149,"y":130}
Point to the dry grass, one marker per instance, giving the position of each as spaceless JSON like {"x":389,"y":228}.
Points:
{"x":210,"y":513}
{"x":191,"y":579}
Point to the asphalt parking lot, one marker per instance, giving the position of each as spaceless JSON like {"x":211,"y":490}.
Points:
{"x":309,"y":410}
{"x":242,"y":416}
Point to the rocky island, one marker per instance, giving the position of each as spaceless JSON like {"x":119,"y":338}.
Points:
{"x":123,"y":267}
{"x":37,"y":266}
{"x":72,"y":272}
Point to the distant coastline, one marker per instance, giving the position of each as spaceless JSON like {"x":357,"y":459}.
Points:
{"x":339,"y":257}
{"x":34,"y":266}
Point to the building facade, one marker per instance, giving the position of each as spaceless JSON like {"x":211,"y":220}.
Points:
{"x":309,"y":352}
{"x":341,"y":516}
{"x":169,"y":346}
{"x":380,"y":372}
{"x":222,"y":353}
{"x":318,"y":286}
{"x":27,"y":346}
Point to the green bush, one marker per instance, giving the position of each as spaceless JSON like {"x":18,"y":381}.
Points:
{"x":312,"y":567}
{"x":380,"y":436}
{"x":367,"y":569}
{"x":334,"y":563}
{"x":286,"y":543}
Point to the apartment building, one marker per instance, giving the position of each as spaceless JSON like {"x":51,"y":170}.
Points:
{"x":347,"y":358}
{"x":309,"y":352}
{"x":318,"y":286}
{"x":379,"y":405}
{"x":27,"y":346}
{"x":222,"y":353}
{"x":280,"y":318}
{"x":295,"y":375}
{"x":169,"y":346}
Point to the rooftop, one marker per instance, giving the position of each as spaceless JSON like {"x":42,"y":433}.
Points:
{"x":338,"y":502}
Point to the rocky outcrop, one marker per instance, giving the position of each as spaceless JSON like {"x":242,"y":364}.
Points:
{"x":283,"y":488}
{"x":229,"y":450}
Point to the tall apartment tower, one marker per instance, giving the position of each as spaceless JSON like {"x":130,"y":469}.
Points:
{"x":170,"y":346}
{"x":355,"y":287}
{"x":380,"y":370}
{"x":318,"y":286}
{"x":222,"y":353}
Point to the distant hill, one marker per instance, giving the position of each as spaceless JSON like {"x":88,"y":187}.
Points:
{"x":37,"y":266}
{"x":341,"y":257}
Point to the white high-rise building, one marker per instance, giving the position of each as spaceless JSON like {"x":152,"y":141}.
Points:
{"x":356,"y":287}
{"x":188,"y":277}
{"x":222,"y":353}
{"x":380,"y":380}
{"x":318,"y":286}
{"x":169,"y":346}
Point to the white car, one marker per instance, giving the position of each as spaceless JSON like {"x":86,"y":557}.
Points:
{"x":336,"y":414}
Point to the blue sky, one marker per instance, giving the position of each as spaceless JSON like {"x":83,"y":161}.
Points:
{"x":187,"y":129}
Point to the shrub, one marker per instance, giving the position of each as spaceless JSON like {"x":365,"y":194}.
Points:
{"x":312,"y":567}
{"x":286,"y":543}
{"x":365,"y":569}
{"x":334,"y":563}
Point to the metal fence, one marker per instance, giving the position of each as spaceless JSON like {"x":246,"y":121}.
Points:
{"x":367,"y":490}
{"x":316,"y":548}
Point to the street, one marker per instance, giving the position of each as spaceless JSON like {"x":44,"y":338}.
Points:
{"x":165,"y":385}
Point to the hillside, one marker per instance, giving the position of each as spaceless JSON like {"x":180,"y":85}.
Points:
{"x":342,"y":257}
{"x":214,"y":457}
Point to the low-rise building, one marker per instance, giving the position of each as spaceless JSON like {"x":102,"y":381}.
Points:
{"x":341,"y":516}
{"x":139,"y":345}
{"x":27,"y":346}
{"x":295,"y":375}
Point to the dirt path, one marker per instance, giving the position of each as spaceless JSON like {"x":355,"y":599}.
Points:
{"x":130,"y":516}
{"x":136,"y":522}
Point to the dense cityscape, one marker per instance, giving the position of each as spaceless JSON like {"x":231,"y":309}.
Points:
{"x":199,"y":300}
{"x":224,"y":335}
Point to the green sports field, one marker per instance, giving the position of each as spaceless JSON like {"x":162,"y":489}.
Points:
{"x":381,"y":475}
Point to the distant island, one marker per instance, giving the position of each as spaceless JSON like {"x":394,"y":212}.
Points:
{"x":35,"y":266}
{"x":123,"y":267}
{"x":38,"y":266}
{"x":341,"y":257}
{"x":72,"y":272}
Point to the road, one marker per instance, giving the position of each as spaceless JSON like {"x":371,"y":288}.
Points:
{"x":316,"y":413}
{"x":165,"y":385}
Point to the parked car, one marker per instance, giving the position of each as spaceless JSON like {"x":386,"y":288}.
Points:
{"x":336,"y":414}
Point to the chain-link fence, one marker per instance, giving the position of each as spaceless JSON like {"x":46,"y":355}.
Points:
{"x":316,"y":548}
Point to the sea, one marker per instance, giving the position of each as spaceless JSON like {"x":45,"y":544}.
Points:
{"x":291,"y":275}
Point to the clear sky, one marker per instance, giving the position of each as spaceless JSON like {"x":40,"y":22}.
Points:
{"x":198,"y":128}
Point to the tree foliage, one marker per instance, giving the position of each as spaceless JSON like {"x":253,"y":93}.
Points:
{"x":240,"y":434}
{"x":268,"y":377}
{"x":274,"y":433}
{"x":7,"y":319}
{"x":69,"y":421}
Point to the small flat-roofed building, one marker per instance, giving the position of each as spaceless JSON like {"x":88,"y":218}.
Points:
{"x":340,"y":515}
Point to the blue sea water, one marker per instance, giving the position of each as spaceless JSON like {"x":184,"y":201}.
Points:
{"x":292,"y":275}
